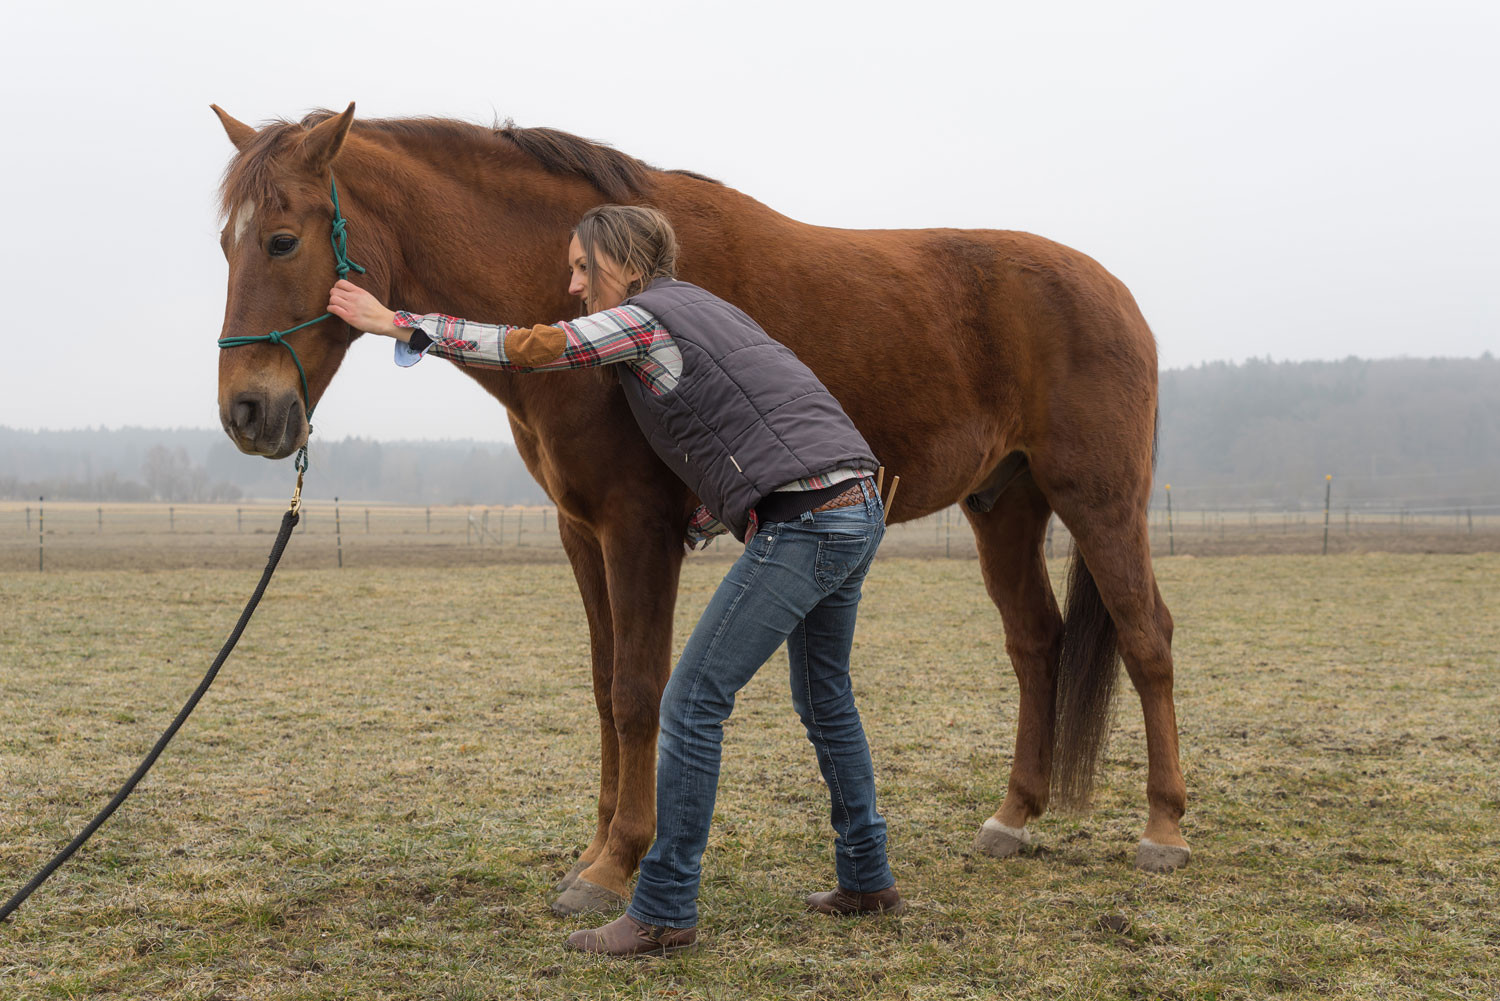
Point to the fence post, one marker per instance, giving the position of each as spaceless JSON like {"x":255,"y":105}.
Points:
{"x":1171,"y":538}
{"x":367,"y":521}
{"x":520,"y":525}
{"x":948,"y":531}
{"x":1327,"y":498}
{"x":171,"y":519}
{"x":500,"y":534}
{"x":429,"y":521}
{"x":28,"y":517}
{"x":41,"y":534}
{"x":1049,"y":536}
{"x":338,"y":531}
{"x":1471,"y":520}
{"x":101,"y":521}
{"x":239,"y":519}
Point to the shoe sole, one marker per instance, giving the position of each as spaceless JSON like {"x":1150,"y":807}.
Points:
{"x":887,"y":912}
{"x":666,"y":950}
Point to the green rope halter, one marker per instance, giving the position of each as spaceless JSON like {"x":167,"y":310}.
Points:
{"x":339,"y":238}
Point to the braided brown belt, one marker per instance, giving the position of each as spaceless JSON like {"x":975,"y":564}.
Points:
{"x":854,"y":495}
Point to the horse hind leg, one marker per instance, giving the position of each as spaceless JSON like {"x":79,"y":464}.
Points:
{"x":1009,"y":533}
{"x":1115,"y":553}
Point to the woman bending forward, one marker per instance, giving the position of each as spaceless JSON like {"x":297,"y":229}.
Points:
{"x":698,"y":373}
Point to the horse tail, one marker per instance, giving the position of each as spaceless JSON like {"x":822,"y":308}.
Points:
{"x":1087,"y":672}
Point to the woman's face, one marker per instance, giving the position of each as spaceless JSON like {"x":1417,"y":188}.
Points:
{"x":605,"y":288}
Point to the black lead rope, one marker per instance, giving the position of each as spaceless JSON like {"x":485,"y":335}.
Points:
{"x":288,"y":522}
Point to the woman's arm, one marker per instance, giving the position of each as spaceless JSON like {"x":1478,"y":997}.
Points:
{"x":625,"y":333}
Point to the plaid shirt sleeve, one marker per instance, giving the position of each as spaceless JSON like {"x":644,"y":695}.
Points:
{"x":702,"y":528}
{"x":625,"y":333}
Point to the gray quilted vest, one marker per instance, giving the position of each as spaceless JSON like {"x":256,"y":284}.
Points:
{"x":746,"y":416}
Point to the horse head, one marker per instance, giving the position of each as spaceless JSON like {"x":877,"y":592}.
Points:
{"x":276,"y":237}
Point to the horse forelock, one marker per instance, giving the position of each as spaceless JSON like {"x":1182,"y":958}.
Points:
{"x":252,"y":177}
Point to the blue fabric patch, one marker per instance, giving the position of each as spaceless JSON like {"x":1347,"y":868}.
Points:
{"x":405,"y":356}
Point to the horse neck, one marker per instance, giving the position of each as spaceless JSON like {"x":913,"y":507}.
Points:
{"x":487,"y":243}
{"x":482,"y":233}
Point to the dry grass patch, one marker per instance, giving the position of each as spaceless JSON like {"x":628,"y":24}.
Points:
{"x":376,"y":797}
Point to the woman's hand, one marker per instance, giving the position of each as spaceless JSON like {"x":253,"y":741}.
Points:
{"x":363,"y":311}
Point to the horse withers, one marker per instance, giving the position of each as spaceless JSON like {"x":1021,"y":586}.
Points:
{"x":992,"y":367}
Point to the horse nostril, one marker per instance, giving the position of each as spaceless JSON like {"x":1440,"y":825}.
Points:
{"x":245,"y":416}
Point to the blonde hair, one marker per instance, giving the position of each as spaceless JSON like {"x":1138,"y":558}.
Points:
{"x":634,"y":238}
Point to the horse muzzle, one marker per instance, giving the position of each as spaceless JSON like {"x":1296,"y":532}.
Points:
{"x":259,"y":425}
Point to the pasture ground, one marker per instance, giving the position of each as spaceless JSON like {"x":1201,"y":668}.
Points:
{"x":378,"y":794}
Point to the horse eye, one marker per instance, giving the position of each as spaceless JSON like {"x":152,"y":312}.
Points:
{"x":281,"y":245}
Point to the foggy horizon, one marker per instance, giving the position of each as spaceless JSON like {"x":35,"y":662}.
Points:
{"x":505,"y":438}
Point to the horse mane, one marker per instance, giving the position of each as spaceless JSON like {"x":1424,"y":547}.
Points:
{"x":618,"y":176}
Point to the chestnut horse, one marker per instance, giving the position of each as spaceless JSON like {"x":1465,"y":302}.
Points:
{"x":991,"y":367}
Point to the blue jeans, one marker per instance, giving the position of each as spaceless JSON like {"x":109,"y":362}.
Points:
{"x":797,"y":582}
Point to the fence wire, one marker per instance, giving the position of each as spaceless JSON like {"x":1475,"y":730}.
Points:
{"x":81,"y":535}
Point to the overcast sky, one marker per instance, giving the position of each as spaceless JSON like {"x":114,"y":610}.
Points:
{"x":1287,"y":179}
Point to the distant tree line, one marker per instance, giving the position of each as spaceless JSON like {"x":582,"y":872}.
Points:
{"x":400,"y":472}
{"x":167,"y":474}
{"x":140,"y":464}
{"x":1400,"y":432}
{"x":105,"y":487}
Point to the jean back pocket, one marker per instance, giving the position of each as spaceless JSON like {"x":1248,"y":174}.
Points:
{"x":838,"y":557}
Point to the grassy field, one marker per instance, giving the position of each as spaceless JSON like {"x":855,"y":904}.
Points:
{"x":376,"y":797}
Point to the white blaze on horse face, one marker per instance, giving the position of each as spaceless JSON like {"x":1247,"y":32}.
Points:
{"x":242,"y":220}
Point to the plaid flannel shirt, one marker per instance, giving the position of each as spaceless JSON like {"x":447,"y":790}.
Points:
{"x":627,"y":335}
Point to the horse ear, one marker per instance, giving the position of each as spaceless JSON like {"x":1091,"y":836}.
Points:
{"x":239,"y":133}
{"x":324,"y":140}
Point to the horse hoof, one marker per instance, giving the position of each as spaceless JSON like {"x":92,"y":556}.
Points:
{"x":584,"y":897}
{"x":1001,"y":840}
{"x":570,"y":877}
{"x":1153,"y":857}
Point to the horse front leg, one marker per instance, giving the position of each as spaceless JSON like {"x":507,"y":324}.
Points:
{"x":641,"y":568}
{"x":588,"y":569}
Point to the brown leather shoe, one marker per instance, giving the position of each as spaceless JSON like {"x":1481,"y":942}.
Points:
{"x":842,"y":901}
{"x":625,"y":936}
